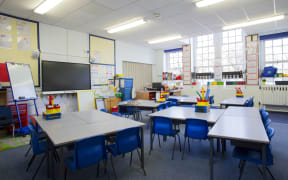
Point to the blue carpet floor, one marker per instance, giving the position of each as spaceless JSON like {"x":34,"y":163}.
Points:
{"x":159,"y":164}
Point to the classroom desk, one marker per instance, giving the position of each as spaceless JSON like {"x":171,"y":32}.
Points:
{"x":233,"y":102}
{"x":75,"y":126}
{"x":243,"y":125}
{"x":180,"y":114}
{"x":142,"y":105}
{"x":185,"y":100}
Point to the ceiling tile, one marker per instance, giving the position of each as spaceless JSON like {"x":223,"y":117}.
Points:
{"x":114,"y":4}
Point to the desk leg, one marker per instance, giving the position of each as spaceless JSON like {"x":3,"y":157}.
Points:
{"x":264,"y":161}
{"x":151,"y":141}
{"x":62,"y":168}
{"x":142,"y":151}
{"x":211,"y":158}
{"x":48,"y":158}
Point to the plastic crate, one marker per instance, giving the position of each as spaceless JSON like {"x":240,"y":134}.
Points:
{"x":23,"y":115}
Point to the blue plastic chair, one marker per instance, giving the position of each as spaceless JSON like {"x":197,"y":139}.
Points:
{"x":174,"y":102}
{"x":184,"y":96}
{"x":211,"y":99}
{"x":126,"y":141}
{"x":161,"y":107}
{"x":255,"y":156}
{"x":195,"y":129}
{"x":38,"y":147}
{"x":163,"y":126}
{"x":6,"y":117}
{"x":251,"y":102}
{"x":87,"y":152}
{"x":116,"y":114}
{"x":104,"y":110}
{"x":167,"y":104}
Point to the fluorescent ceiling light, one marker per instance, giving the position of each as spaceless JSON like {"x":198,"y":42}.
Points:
{"x":207,"y":3}
{"x":46,"y":6}
{"x":251,"y":23}
{"x":127,"y":26}
{"x":165,"y":39}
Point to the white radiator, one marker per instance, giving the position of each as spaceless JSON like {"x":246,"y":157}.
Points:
{"x":274,"y":95}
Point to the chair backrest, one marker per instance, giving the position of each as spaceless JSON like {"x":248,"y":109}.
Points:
{"x":262,"y":110}
{"x":89,"y":151}
{"x":211,"y":100}
{"x":127,"y":140}
{"x":251,"y":102}
{"x":174,"y":102}
{"x":264,"y":116}
{"x":104,"y":110}
{"x":196,"y":128}
{"x":161,"y":107}
{"x":116,"y":114}
{"x":270,"y":132}
{"x":162,"y":125}
{"x":5,"y":115}
{"x":36,"y":142}
{"x":167,"y":104}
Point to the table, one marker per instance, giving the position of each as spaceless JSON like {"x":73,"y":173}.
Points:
{"x":142,"y":105}
{"x":75,"y":126}
{"x":235,"y":101}
{"x":183,"y":113}
{"x":241,"y":124}
{"x":185,"y":100}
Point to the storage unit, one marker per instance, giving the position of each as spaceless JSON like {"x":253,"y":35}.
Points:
{"x":125,"y":86}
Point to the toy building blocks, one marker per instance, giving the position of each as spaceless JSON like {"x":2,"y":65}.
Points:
{"x":53,"y":111}
{"x":239,"y":92}
{"x":203,"y":101}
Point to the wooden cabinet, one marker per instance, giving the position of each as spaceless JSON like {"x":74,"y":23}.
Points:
{"x":111,"y":102}
{"x":143,"y":95}
{"x":3,"y":97}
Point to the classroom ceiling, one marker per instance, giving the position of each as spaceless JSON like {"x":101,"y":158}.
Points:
{"x":176,"y":17}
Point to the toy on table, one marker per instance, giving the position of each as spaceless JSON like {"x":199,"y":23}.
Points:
{"x":164,"y":95}
{"x":203,"y":101}
{"x":53,"y":111}
{"x":239,"y":92}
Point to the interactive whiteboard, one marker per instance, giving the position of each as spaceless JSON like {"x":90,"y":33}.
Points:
{"x":21,"y":81}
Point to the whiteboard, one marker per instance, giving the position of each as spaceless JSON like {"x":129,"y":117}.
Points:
{"x":86,"y":101}
{"x":21,"y":81}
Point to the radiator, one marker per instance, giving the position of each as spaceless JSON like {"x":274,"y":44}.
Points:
{"x":274,"y":95}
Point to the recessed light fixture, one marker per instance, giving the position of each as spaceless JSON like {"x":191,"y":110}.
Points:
{"x":127,"y":25}
{"x":165,"y":39}
{"x":254,"y":22}
{"x":46,"y":6}
{"x":207,"y":3}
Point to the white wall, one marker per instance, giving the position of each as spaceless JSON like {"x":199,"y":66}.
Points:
{"x":158,"y":66}
{"x":133,"y":53}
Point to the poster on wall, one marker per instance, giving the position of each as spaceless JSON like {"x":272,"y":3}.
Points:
{"x":100,"y":74}
{"x":5,"y":24}
{"x":186,"y":60}
{"x":23,"y":27}
{"x":5,"y":40}
{"x":252,"y":59}
{"x":24,"y":43}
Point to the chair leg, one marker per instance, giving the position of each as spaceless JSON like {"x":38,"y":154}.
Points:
{"x":174,"y":148}
{"x":189,"y":144}
{"x":65,"y":173}
{"x":29,"y":149}
{"x":105,"y":166}
{"x":159,"y":141}
{"x":242,"y":169}
{"x":98,"y":168}
{"x":184,"y":148}
{"x":42,"y":160}
{"x":131,"y":158}
{"x":152,"y":144}
{"x":179,"y":141}
{"x":270,"y":173}
{"x":13,"y":129}
{"x":112,"y":164}
{"x":30,"y":162}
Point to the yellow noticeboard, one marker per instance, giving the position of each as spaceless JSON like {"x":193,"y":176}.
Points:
{"x":18,"y":38}
{"x":102,"y":50}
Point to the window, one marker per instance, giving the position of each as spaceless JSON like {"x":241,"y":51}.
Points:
{"x":174,"y":61}
{"x":205,"y":54}
{"x":232,"y":51}
{"x":276,"y":54}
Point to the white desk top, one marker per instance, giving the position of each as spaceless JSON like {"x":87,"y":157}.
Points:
{"x":141,"y":103}
{"x":183,"y":113}
{"x":74,"y":126}
{"x":235,"y":101}
{"x":185,"y":99}
{"x":240,"y":123}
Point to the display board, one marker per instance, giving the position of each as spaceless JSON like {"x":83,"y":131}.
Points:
{"x":186,"y":60}
{"x":21,"y":81}
{"x":86,"y":101}
{"x":252,"y":59}
{"x":18,"y":38}
{"x":100,"y":74}
{"x":102,"y":50}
